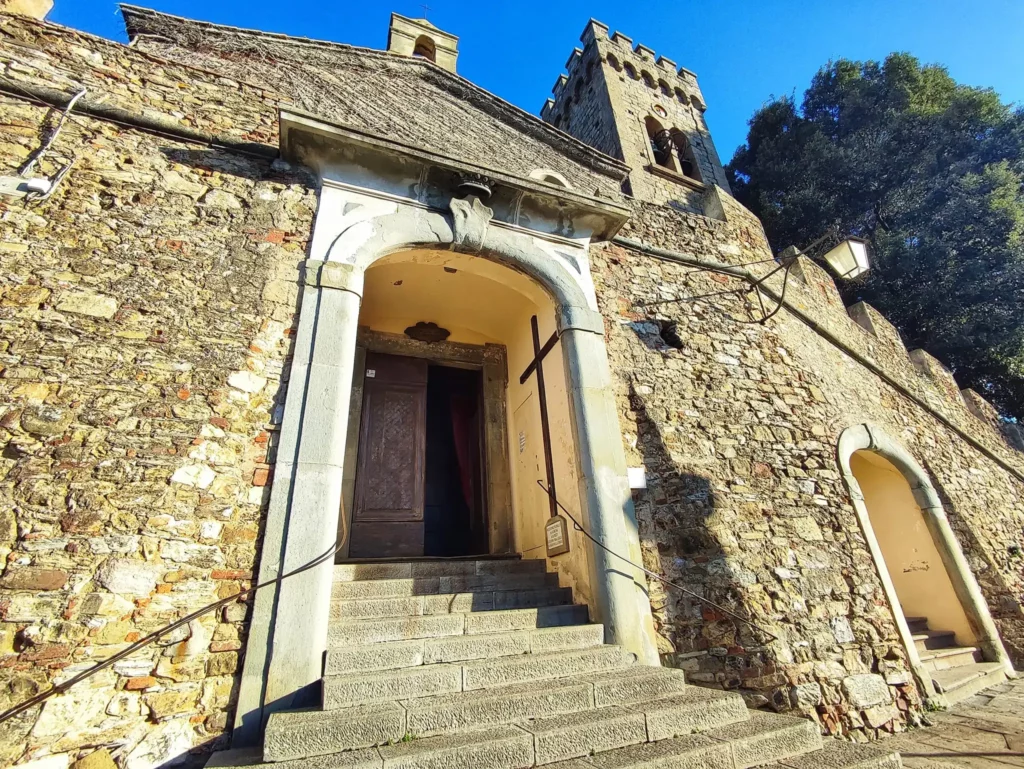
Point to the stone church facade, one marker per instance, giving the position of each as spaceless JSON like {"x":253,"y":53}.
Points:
{"x":277,"y":297}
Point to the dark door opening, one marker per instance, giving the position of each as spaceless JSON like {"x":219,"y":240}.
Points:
{"x":453,"y":513}
{"x":420,"y":475}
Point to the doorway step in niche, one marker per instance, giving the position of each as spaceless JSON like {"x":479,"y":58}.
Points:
{"x":957,"y":671}
{"x":489,"y":664}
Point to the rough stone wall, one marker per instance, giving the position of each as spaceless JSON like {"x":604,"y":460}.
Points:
{"x":736,"y":424}
{"x":407,"y":100}
{"x":603,"y":102}
{"x":146,"y":309}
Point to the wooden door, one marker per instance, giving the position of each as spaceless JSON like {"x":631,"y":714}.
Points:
{"x":388,"y":516}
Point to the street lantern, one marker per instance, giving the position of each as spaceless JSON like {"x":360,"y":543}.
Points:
{"x":849,"y":259}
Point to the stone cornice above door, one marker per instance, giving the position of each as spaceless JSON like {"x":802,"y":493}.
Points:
{"x":348,"y":156}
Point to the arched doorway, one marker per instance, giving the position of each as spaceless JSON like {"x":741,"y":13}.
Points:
{"x":451,"y":334}
{"x":923,"y":586}
{"x":936,"y":602}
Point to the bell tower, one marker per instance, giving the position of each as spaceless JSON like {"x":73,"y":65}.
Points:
{"x":631,"y":104}
{"x":420,"y":38}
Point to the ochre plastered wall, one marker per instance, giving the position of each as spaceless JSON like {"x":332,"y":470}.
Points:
{"x":911,"y":557}
{"x":483,"y":302}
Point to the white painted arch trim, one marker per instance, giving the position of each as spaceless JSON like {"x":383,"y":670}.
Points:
{"x":868,"y":437}
{"x":546,"y":174}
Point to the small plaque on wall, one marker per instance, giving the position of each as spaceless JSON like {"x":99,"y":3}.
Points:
{"x":556,"y":533}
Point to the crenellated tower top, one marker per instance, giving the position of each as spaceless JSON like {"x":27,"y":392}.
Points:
{"x":628,"y":102}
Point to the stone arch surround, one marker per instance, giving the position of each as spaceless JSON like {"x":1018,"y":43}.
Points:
{"x":868,"y":437}
{"x":288,"y":627}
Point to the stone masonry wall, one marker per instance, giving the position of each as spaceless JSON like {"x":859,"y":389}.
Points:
{"x":737,"y":424}
{"x":146,"y":310}
{"x":610,"y":87}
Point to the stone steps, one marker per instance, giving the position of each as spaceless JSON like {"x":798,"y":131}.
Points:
{"x":437,"y":625}
{"x":957,"y":684}
{"x":559,"y":704}
{"x":917,"y":624}
{"x":944,"y":659}
{"x":392,"y":655}
{"x":445,"y":678}
{"x":403,"y":588}
{"x":427,"y":669}
{"x":838,"y":754}
{"x":350,"y":572}
{"x":762,"y":739}
{"x":448,"y":603}
{"x":934,"y":639}
{"x":611,"y":738}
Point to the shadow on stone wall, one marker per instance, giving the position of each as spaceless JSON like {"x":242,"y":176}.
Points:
{"x":676,"y":515}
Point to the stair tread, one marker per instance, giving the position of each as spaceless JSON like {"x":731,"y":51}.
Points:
{"x":517,"y":743}
{"x":460,"y":602}
{"x":494,"y":693}
{"x":354,"y":572}
{"x":424,"y":670}
{"x":692,"y":695}
{"x":838,"y":754}
{"x":370,"y":621}
{"x":245,"y":758}
{"x":953,"y":678}
{"x":579,"y":718}
{"x":418,"y":652}
{"x":759,"y":723}
{"x":924,"y":635}
{"x":768,"y":737}
{"x":948,"y":651}
{"x":382,"y":629}
{"x":401,"y":587}
{"x":700,"y":749}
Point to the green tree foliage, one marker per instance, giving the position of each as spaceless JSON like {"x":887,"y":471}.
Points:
{"x":928,"y":171}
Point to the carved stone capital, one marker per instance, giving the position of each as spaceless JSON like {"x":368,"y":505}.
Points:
{"x":470,"y":218}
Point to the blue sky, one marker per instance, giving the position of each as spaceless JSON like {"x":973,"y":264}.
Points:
{"x":743,"y":51}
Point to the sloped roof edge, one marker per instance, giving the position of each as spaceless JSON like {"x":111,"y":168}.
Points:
{"x":136,"y":18}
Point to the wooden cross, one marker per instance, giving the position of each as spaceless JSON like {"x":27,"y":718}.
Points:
{"x":539,"y":353}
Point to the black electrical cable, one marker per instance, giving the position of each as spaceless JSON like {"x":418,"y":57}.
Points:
{"x":579,"y":527}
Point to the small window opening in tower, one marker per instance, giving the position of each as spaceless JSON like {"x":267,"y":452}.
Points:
{"x":630,"y":70}
{"x":681,"y":95}
{"x":687,"y":160}
{"x":648,"y":79}
{"x":661,"y":143}
{"x":425,"y":49}
{"x":665,"y":87}
{"x":614,"y":63}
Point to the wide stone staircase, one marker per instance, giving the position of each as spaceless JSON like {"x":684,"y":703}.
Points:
{"x":957,"y":671}
{"x":488,"y":664}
